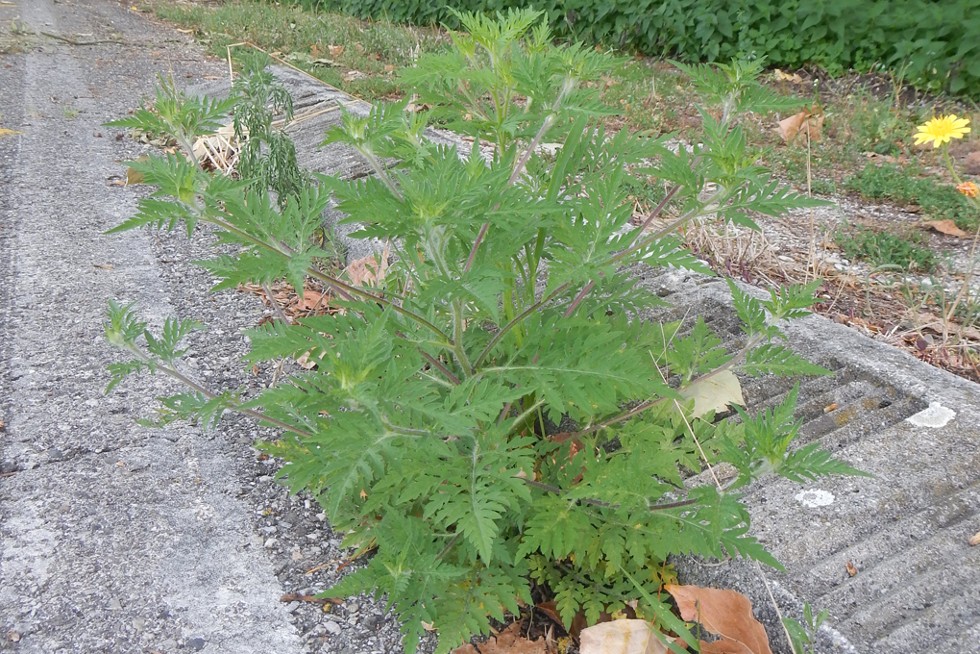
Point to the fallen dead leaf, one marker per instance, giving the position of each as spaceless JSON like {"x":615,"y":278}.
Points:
{"x":103,"y":266}
{"x":851,"y":569}
{"x":780,"y":76}
{"x":622,"y":637}
{"x":335,"y":50}
{"x":929,"y":322}
{"x":310,"y":599}
{"x":311,"y":300}
{"x":725,"y":613}
{"x":715,"y":393}
{"x":975,"y":539}
{"x":808,"y":121}
{"x":830,"y":407}
{"x":369,"y":270}
{"x":947,"y":227}
{"x":508,"y":641}
{"x":8,"y":132}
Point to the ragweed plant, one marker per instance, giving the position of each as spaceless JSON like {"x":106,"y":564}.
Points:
{"x":500,"y":416}
{"x":268,"y":155}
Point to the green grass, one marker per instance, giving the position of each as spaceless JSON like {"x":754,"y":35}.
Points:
{"x":904,"y":187}
{"x":301,"y":37}
{"x":886,"y":250}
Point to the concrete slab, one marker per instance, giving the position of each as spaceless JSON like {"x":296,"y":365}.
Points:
{"x":887,"y":556}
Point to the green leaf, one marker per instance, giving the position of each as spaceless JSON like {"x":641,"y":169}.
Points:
{"x":778,"y":360}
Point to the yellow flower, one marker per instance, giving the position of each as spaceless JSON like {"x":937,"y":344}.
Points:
{"x":969,"y":189}
{"x":941,"y":130}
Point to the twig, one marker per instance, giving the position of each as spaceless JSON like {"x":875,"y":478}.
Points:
{"x":311,"y":599}
{"x":68,"y":39}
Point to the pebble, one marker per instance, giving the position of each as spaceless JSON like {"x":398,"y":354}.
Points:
{"x":332,"y":627}
{"x":270,"y":543}
{"x":197,"y":643}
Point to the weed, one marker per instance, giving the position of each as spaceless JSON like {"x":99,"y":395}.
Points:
{"x":878,"y":126}
{"x":822,"y":186}
{"x":304,"y":37}
{"x":885,"y":249}
{"x":426,"y":429}
{"x":803,"y":635}
{"x":903,"y":186}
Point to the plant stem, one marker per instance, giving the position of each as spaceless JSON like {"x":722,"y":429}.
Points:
{"x":516,"y":321}
{"x":211,"y":395}
{"x":548,"y":488}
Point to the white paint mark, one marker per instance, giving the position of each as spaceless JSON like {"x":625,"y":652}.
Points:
{"x":935,"y":416}
{"x":814,"y":498}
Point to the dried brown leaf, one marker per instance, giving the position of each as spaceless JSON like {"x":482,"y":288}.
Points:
{"x":508,"y":641}
{"x":725,"y":613}
{"x":947,"y":227}
{"x":369,"y":270}
{"x":780,"y":76}
{"x":809,"y":122}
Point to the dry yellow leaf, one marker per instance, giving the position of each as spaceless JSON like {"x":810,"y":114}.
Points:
{"x":622,"y":637}
{"x":714,"y":393}
{"x":8,"y":132}
{"x":780,"y":76}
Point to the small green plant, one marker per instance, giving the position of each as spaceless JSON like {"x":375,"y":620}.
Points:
{"x":496,"y":418}
{"x":803,"y":635}
{"x":904,"y":186}
{"x":268,"y":155}
{"x":900,"y":251}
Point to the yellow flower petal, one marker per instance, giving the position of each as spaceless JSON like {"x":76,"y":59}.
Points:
{"x":941,"y":130}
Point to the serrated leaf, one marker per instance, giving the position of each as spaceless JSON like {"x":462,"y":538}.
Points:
{"x":779,"y":360}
